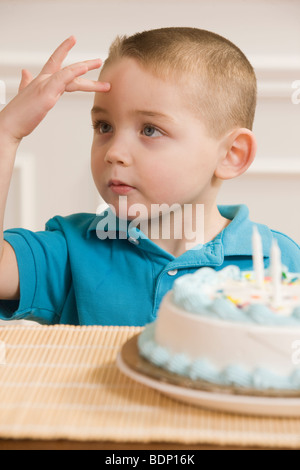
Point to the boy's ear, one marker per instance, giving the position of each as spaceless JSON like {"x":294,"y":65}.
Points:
{"x":238,"y":152}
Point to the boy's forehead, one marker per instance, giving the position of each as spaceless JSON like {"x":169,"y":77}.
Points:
{"x":124,"y":65}
{"x":128,"y":72}
{"x":139,"y":88}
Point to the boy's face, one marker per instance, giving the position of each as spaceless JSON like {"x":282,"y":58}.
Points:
{"x":148,"y":145}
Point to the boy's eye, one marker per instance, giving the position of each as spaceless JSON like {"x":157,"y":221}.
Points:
{"x":151,"y":131}
{"x":148,"y":130}
{"x":102,"y":127}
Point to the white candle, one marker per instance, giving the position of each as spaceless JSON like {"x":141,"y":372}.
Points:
{"x":257,"y":257}
{"x":276,"y":272}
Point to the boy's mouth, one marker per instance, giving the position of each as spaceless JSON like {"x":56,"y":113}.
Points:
{"x":119,"y":187}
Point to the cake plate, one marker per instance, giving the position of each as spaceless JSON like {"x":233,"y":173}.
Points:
{"x":232,"y":399}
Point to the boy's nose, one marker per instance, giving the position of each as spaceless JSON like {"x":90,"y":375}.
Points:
{"x":118,"y":154}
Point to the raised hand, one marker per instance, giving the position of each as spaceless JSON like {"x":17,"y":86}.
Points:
{"x":38,"y":95}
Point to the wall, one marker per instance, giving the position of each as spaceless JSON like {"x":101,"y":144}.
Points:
{"x":52,"y":175}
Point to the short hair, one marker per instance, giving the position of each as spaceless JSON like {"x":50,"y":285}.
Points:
{"x":219,"y":72}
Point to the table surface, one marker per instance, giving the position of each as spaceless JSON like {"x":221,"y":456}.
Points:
{"x":31,"y":444}
{"x":60,"y":388}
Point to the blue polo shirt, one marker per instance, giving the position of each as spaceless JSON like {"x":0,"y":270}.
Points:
{"x":69,"y":275}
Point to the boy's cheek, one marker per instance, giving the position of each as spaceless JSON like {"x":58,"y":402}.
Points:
{"x":96,"y":163}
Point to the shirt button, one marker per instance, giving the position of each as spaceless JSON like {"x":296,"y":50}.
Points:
{"x":173,"y":272}
{"x":133,"y":240}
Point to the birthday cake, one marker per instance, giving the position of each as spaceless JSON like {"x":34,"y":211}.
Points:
{"x":230,"y":328}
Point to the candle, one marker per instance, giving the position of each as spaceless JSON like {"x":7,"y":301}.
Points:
{"x":257,"y":256}
{"x":275,"y":268}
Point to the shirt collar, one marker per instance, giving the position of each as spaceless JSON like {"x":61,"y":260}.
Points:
{"x":237,"y":236}
{"x":107,"y":221}
{"x":234,"y":240}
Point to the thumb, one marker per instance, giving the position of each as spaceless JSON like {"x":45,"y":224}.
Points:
{"x":25,"y":80}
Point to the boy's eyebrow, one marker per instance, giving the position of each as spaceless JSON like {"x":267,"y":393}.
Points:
{"x":98,"y":109}
{"x":154,"y":114}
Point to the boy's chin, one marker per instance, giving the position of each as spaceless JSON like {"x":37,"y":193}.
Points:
{"x":124,"y":213}
{"x":144,"y":213}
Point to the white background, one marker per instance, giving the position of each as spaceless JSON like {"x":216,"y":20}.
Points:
{"x":52,"y":174}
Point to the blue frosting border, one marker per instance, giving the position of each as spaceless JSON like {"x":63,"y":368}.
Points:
{"x":201,"y":368}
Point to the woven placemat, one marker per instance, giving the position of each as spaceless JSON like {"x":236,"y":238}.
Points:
{"x":62,"y":382}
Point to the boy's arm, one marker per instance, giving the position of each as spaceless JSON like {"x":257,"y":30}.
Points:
{"x":9,"y":276}
{"x":19,"y":118}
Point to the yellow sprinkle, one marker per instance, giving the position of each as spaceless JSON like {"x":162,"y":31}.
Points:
{"x":234,"y":301}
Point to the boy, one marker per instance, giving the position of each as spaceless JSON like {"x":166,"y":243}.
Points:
{"x":172,"y":119}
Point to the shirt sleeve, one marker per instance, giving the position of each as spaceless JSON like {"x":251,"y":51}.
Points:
{"x":44,"y":272}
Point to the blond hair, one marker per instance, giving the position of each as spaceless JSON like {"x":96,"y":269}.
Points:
{"x":218,"y":71}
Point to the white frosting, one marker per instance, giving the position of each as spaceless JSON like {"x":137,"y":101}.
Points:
{"x":234,"y":296}
{"x":227,"y":341}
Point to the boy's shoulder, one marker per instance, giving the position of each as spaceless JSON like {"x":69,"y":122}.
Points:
{"x":87,"y":225}
{"x":237,"y":237}
{"x":284,"y":239}
{"x":81,"y":222}
{"x":290,"y":250}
